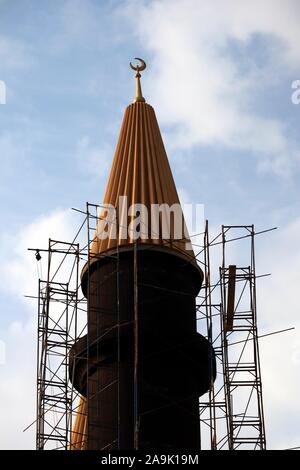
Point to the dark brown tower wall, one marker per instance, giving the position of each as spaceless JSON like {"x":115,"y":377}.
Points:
{"x":174,"y":363}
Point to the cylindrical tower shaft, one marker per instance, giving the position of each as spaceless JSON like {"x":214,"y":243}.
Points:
{"x":173,"y":366}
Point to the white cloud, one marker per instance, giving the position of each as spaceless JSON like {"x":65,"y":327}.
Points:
{"x":205,"y":92}
{"x":18,"y":267}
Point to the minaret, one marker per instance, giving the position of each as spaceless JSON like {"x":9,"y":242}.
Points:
{"x":142,"y":366}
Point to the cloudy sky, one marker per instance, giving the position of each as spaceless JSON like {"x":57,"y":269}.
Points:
{"x":220,"y":77}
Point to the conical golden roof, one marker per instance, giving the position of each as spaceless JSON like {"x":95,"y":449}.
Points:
{"x":140,"y":172}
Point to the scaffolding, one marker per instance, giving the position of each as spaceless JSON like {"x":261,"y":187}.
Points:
{"x":59,"y":325}
{"x":231,"y":413}
{"x":241,"y":362}
{"x":212,"y":406}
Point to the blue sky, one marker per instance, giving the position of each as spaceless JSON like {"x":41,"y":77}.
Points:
{"x":219,"y":76}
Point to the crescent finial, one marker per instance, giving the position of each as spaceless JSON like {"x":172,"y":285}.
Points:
{"x":138,"y":69}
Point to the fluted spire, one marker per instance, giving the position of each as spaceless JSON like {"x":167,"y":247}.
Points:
{"x":140,"y":172}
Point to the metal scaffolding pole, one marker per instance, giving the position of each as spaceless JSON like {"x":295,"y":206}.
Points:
{"x":57,"y":327}
{"x":212,"y":406}
{"x":231,"y":414}
{"x":241,"y":364}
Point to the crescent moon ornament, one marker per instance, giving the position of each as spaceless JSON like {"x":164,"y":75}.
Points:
{"x":138,"y":68}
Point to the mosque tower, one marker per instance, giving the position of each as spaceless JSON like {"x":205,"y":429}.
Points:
{"x":142,"y":365}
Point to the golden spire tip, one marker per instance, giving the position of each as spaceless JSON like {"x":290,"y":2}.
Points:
{"x":138,"y":69}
